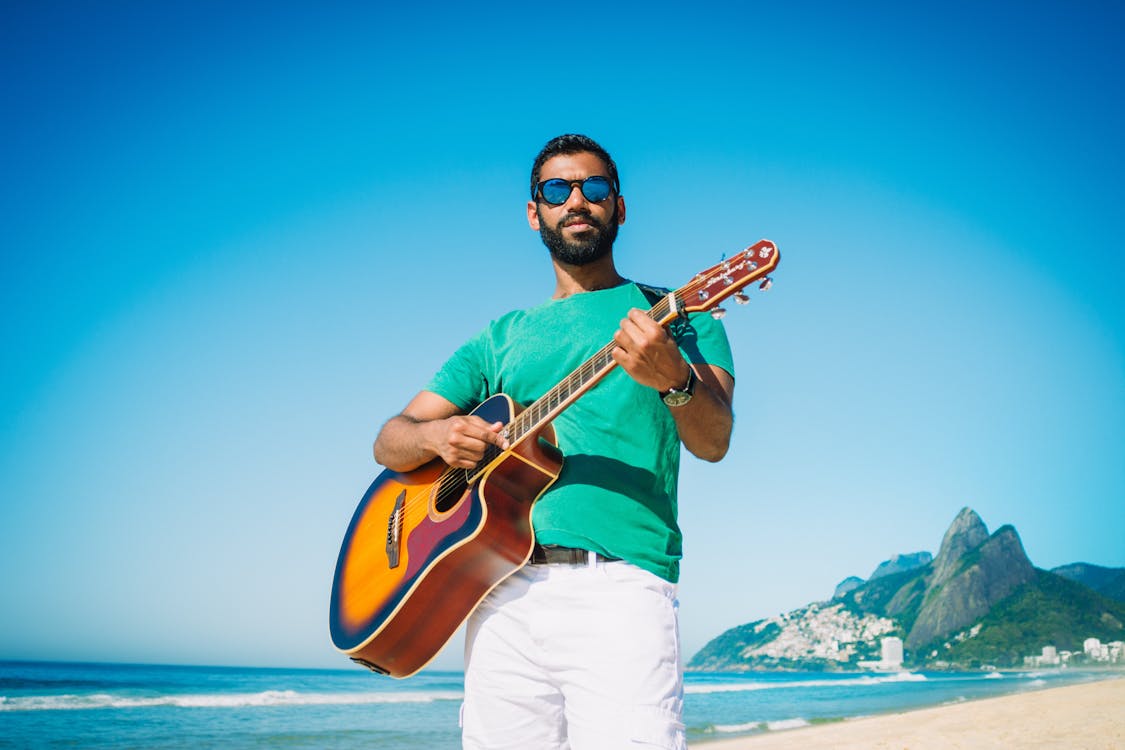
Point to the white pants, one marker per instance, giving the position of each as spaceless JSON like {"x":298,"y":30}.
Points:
{"x":575,"y":657}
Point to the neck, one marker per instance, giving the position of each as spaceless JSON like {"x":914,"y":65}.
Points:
{"x":570,"y":280}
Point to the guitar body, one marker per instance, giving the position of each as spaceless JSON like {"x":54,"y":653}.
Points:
{"x":425,"y":546}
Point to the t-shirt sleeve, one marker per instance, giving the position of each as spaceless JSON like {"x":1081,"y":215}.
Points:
{"x":703,"y":340}
{"x":462,"y":379}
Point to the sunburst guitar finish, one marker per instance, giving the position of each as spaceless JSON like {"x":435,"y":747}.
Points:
{"x":424,"y":547}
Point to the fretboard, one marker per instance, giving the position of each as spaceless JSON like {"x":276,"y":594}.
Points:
{"x":704,"y":292}
{"x":585,"y":376}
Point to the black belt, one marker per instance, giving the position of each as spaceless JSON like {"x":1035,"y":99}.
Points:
{"x":552,"y":553}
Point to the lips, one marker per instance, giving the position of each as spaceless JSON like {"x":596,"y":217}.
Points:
{"x":579,"y":223}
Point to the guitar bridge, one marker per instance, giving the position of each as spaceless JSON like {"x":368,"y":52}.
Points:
{"x":394,"y":531}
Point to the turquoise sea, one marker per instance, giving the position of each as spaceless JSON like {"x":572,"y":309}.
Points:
{"x":48,"y":704}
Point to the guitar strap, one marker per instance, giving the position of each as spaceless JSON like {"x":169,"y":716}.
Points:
{"x":652,"y":293}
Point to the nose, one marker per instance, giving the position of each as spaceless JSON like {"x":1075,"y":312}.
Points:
{"x":576,"y":199}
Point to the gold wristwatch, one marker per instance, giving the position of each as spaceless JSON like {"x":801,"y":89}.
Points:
{"x":679,"y":396}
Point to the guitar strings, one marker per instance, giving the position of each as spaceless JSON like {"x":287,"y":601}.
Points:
{"x":454,"y":481}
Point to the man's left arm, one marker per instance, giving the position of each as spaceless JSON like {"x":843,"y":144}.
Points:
{"x":651,"y":357}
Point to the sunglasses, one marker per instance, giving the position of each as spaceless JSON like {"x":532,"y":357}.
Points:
{"x":557,"y":191}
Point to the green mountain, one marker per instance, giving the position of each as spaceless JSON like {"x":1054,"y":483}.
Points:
{"x":1106,"y":581}
{"x":1049,"y":610}
{"x":980,"y":601}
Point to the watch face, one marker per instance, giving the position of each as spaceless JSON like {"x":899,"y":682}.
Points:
{"x":676,"y":398}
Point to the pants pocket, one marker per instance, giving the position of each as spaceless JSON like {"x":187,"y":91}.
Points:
{"x":656,"y":728}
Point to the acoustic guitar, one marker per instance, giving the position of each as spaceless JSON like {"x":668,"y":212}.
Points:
{"x":425,"y":546}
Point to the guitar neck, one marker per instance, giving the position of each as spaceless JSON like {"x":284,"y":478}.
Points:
{"x":584,"y":377}
{"x":704,"y":292}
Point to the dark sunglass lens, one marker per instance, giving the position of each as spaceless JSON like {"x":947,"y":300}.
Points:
{"x":596,"y":189}
{"x":555,"y":191}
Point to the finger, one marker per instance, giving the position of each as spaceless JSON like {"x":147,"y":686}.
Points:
{"x":638,"y":316}
{"x":489,"y":433}
{"x":628,"y":334}
{"x":642,"y":321}
{"x":463,"y":441}
{"x":644,"y":330}
{"x":477,"y":434}
{"x":496,"y":435}
{"x":622,"y":340}
{"x":648,"y":328}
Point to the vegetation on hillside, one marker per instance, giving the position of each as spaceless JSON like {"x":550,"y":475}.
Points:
{"x":1048,"y":611}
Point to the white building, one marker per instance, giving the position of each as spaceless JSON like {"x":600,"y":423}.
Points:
{"x":891,"y":652}
{"x":1049,"y":658}
{"x":1095,"y":650}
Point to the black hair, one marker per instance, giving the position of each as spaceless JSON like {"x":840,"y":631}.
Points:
{"x":573,"y":143}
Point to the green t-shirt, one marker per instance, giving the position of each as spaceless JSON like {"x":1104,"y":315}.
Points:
{"x":616,"y":494}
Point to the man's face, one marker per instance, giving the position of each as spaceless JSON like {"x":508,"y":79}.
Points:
{"x":577,"y":231}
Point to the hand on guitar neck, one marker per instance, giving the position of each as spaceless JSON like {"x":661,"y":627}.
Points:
{"x":650,"y":355}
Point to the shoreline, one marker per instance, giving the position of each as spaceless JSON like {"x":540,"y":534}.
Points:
{"x":1086,"y":715}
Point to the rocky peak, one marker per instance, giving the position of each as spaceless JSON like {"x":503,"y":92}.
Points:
{"x":966,"y":533}
{"x":851,"y":583}
{"x":901,"y":563}
{"x":897,"y":564}
{"x":974,"y":581}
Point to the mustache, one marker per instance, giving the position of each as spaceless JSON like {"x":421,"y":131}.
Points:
{"x":579,"y":217}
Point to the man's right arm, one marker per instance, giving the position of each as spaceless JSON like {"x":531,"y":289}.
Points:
{"x":431,"y":426}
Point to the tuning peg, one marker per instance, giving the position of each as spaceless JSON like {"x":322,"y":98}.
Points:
{"x":718,"y":313}
{"x":741,"y":298}
{"x":766,"y":284}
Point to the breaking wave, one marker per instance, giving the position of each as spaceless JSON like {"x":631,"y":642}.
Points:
{"x":215,"y":700}
{"x":751,"y":726}
{"x":865,"y":680}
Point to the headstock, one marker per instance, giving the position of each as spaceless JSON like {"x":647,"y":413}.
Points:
{"x":729,"y":277}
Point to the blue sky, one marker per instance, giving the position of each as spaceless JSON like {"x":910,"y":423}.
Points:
{"x":236,"y":241}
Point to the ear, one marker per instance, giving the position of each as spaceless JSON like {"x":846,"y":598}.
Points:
{"x":620,"y":210}
{"x":532,"y":216}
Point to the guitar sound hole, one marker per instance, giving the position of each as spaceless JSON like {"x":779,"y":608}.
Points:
{"x":449,"y":489}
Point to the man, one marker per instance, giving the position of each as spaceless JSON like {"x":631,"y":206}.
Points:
{"x":580,"y":648}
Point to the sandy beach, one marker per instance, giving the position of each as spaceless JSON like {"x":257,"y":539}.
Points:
{"x":1078,"y":716}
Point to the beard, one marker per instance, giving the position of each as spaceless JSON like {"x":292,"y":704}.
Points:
{"x":594,"y":245}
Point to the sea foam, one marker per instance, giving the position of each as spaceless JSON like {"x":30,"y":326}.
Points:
{"x":864,"y":680}
{"x":733,"y":728}
{"x":217,"y":700}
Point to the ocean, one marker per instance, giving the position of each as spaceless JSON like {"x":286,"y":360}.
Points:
{"x":49,"y":704}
